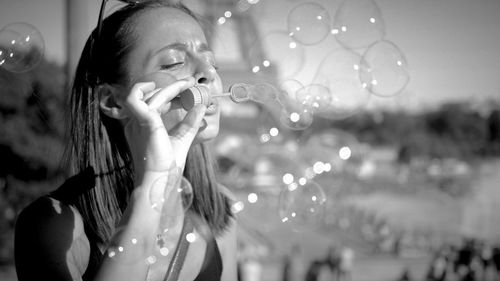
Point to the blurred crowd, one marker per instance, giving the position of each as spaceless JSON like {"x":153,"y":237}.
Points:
{"x":336,"y":265}
{"x":474,"y":260}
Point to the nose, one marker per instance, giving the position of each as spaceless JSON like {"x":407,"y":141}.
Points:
{"x":205,"y":72}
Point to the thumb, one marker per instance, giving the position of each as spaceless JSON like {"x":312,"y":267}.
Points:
{"x":182,"y":136}
{"x":186,"y":130}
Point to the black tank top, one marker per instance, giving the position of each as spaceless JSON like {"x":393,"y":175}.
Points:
{"x":211,"y":269}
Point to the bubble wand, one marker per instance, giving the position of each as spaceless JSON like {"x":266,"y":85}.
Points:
{"x":200,"y":94}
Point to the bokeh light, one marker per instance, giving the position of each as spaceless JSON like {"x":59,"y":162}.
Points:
{"x":388,"y":70}
{"x":272,"y":163}
{"x":340,"y":73}
{"x":335,"y":149}
{"x":125,"y":248}
{"x":237,"y":207}
{"x":252,"y":198}
{"x":21,"y":47}
{"x":308,"y":23}
{"x":301,"y":206}
{"x":296,"y":118}
{"x":358,"y":24}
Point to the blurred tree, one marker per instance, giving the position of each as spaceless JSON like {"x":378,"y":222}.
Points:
{"x":31,"y":141}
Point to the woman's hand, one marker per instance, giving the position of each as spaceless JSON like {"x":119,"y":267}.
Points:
{"x":153,"y":148}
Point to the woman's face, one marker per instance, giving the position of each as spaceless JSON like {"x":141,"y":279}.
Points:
{"x":171,"y":46}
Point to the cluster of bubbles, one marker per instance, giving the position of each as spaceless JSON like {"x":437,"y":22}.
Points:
{"x":293,"y":170}
{"x":366,"y":64}
{"x":21,"y":47}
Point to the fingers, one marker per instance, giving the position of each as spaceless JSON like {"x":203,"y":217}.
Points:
{"x":144,"y":98}
{"x":140,"y":90}
{"x":136,"y":95}
{"x":182,"y":135}
{"x":186,"y":130}
{"x":165,"y":95}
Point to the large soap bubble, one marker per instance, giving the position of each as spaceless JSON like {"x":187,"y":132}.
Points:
{"x":21,"y":47}
{"x":340,"y":73}
{"x":314,"y":97}
{"x":171,"y":191}
{"x":308,"y":23}
{"x":302,"y":205}
{"x":263,"y":93}
{"x":388,"y":70}
{"x":358,"y":24}
{"x":277,"y":56}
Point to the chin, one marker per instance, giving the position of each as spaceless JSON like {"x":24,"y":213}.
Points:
{"x":208,"y":131}
{"x":206,"y":135}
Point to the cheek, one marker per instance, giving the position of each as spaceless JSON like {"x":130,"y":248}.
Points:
{"x":218,"y":84}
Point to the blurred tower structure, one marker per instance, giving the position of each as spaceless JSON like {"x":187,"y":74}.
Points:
{"x":234,"y":36}
{"x":238,"y":33}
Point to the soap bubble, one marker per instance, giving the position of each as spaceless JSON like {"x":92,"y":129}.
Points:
{"x":287,"y":92}
{"x":302,"y":205}
{"x":358,"y":24}
{"x":387,"y":71}
{"x":263,"y":93}
{"x":308,"y":23}
{"x":276,"y":56}
{"x":408,"y":101}
{"x":21,"y":47}
{"x":290,"y":86}
{"x":171,"y":191}
{"x":315,"y":97}
{"x":340,"y":72}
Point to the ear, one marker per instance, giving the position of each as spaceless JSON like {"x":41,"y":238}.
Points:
{"x":108,"y":102}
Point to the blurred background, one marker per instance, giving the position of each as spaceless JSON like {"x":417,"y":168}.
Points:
{"x":369,"y":148}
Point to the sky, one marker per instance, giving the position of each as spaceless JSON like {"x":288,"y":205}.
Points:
{"x":451,"y":46}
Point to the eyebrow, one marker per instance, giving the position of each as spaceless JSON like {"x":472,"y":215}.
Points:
{"x":203,"y":47}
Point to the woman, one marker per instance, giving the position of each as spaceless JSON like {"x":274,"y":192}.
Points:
{"x":126,"y":137}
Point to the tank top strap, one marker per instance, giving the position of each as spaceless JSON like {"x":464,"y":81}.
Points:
{"x":69,"y":191}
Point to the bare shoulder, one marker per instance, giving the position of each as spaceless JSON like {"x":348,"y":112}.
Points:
{"x":50,"y":242}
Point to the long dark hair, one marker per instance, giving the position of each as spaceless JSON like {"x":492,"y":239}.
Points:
{"x":98,"y":141}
